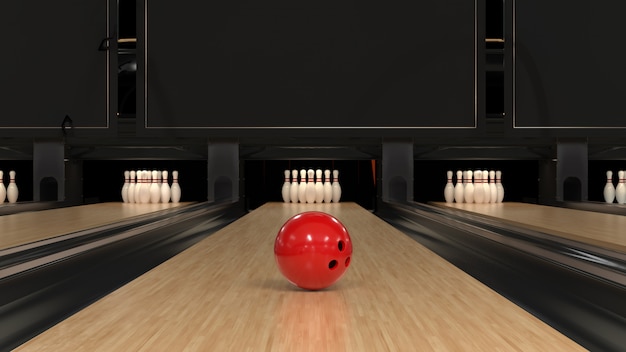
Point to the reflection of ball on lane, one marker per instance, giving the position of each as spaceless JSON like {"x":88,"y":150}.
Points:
{"x":313,"y":250}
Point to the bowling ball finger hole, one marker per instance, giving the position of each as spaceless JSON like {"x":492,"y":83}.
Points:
{"x":332,"y":264}
{"x":340,"y":245}
{"x":347,"y":262}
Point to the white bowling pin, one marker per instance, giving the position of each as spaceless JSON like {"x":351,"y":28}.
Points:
{"x":493,"y":190}
{"x":155,"y":188}
{"x":620,"y":190}
{"x":486,"y":189}
{"x":146,"y":179}
{"x":310,"y":187}
{"x":328,"y":188}
{"x":12,"y":190}
{"x":448,"y":190}
{"x":468,"y":191}
{"x":3,"y":190}
{"x":293,"y":190}
{"x":175,"y":189}
{"x":609,"y":189}
{"x":458,"y":188}
{"x":131,"y":187}
{"x":166,"y":192}
{"x":286,"y":190}
{"x":336,"y":187}
{"x":499,"y":187}
{"x":319,"y":187}
{"x":125,"y":186}
{"x":302,"y":187}
{"x":479,"y":190}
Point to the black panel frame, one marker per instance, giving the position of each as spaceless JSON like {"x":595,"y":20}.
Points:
{"x":552,"y":123}
{"x":52,"y":122}
{"x":145,"y":126}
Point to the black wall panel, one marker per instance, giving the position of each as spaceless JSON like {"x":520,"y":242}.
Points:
{"x":51,"y":65}
{"x":568,"y":64}
{"x":339,"y":63}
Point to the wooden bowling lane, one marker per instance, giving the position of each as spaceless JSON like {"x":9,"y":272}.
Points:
{"x":226,"y":294}
{"x":598,"y":229}
{"x":28,"y":227}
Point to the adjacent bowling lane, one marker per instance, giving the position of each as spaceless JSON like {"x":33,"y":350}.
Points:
{"x":227,"y":294}
{"x":598,"y":229}
{"x":28,"y":227}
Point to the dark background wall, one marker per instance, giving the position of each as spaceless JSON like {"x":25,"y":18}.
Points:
{"x":340,"y":64}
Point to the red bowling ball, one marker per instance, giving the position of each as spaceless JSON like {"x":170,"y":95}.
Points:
{"x":313,"y":250}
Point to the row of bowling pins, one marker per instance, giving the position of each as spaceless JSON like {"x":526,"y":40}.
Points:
{"x":311,"y":190}
{"x":144,"y":186}
{"x":612,"y":193}
{"x":486,"y":188}
{"x":11,"y":192}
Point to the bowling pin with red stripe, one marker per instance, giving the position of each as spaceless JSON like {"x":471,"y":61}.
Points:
{"x":175,"y":188}
{"x":12,"y":190}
